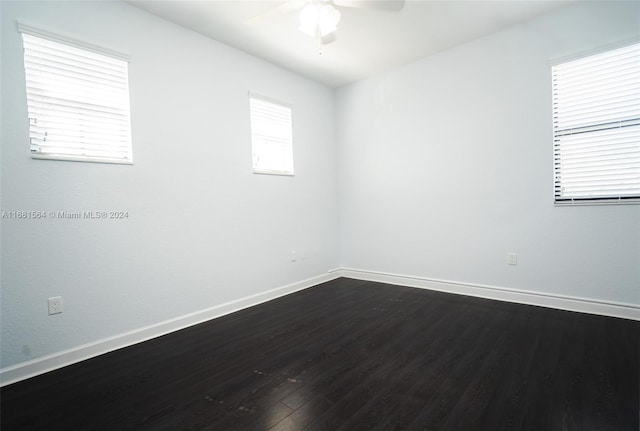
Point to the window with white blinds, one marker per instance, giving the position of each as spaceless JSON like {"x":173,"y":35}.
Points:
{"x":78,"y":102}
{"x":596,"y":128}
{"x":271,"y":136}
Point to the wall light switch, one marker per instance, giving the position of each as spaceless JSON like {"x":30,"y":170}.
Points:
{"x":512,"y":258}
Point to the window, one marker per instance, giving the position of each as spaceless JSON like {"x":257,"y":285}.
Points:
{"x":271,"y":136}
{"x":596,"y":128}
{"x":77,"y":100}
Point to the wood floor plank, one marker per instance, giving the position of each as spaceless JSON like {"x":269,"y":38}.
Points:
{"x":354,"y":355}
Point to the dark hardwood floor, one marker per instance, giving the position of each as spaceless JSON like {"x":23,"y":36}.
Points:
{"x":354,"y":355}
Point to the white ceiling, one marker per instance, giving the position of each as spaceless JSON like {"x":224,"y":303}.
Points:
{"x":368,"y":41}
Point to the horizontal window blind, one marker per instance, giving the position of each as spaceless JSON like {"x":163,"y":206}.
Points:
{"x":271,"y":136}
{"x":78,"y":103}
{"x":596,"y":127}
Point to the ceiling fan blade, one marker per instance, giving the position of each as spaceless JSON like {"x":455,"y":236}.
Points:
{"x":284,"y":8}
{"x":391,"y":5}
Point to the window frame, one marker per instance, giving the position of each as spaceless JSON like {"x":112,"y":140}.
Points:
{"x":123,"y":108}
{"x":557,"y":133}
{"x":268,"y":171}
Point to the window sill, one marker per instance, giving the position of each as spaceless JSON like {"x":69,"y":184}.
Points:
{"x":81,"y":159}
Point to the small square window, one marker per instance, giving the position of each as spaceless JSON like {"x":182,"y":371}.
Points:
{"x":78,"y":102}
{"x":271,"y":136}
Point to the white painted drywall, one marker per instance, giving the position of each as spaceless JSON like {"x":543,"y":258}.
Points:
{"x":202,"y":228}
{"x":446,"y":166}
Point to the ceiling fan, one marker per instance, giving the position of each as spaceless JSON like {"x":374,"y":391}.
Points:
{"x":319,"y":18}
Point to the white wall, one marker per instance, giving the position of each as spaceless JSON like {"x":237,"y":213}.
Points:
{"x":202,"y":229}
{"x":446,"y":166}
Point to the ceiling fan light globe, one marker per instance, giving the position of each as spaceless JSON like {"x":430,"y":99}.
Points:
{"x":309,"y":18}
{"x":328,"y":19}
{"x":327,"y":31}
{"x":308,"y":30}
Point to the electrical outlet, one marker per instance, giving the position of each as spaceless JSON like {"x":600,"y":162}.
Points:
{"x":512,"y":258}
{"x":55,"y":305}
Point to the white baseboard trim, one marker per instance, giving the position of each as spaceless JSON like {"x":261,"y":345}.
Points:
{"x":61,"y":359}
{"x":57,"y":360}
{"x":582,"y":305}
